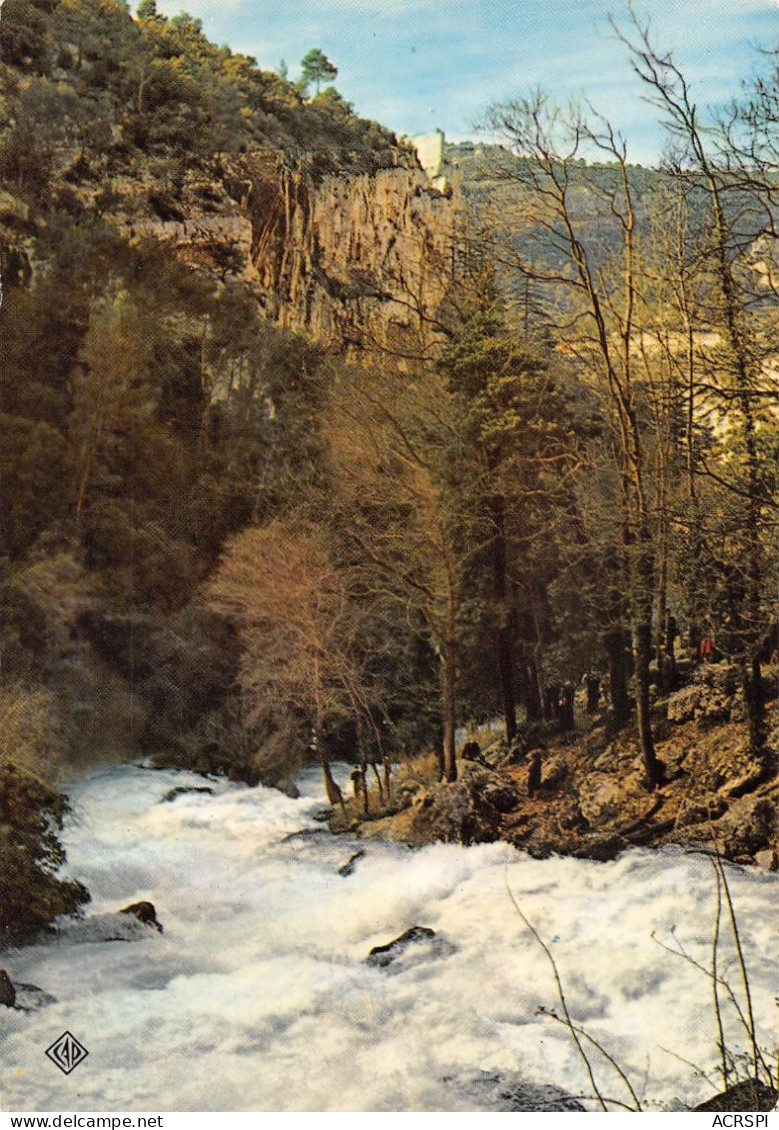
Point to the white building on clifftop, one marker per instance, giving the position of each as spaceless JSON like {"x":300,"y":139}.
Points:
{"x":430,"y":151}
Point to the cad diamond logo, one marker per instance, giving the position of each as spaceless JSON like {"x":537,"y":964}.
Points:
{"x":67,"y":1052}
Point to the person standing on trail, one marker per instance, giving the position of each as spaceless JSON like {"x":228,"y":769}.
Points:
{"x":592,"y":687}
{"x":565,"y":706}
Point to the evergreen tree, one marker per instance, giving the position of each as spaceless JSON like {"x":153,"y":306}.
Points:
{"x":316,"y":68}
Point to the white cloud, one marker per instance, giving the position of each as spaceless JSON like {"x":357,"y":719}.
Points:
{"x":386,"y":8}
{"x":200,"y":7}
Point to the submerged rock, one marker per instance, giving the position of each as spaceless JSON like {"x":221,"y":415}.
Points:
{"x":496,"y":1091}
{"x":135,"y":921}
{"x":347,"y":868}
{"x":31,"y":997}
{"x":413,"y":947}
{"x":749,"y":1094}
{"x":183,"y":789}
{"x":145,"y":912}
{"x":23,"y":997}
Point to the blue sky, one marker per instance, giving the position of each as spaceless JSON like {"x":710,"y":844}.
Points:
{"x":415,"y":65}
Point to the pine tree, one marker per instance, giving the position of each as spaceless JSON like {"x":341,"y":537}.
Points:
{"x":316,"y":68}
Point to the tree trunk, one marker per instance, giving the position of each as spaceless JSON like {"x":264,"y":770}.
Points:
{"x":439,"y":752}
{"x":506,"y":668}
{"x":377,"y":775}
{"x":652,"y":766}
{"x":566,"y":708}
{"x":363,"y":780}
{"x":332,"y":789}
{"x":754,"y":700}
{"x":448,"y":675}
{"x":550,"y":703}
{"x":614,"y":644}
{"x":449,"y":681}
{"x":505,"y":634}
{"x":535,"y":708}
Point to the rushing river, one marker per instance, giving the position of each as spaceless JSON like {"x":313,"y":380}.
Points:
{"x":257,"y":996}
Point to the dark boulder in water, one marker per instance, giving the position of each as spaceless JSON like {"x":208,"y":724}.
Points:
{"x":749,"y":1094}
{"x":22,"y":997}
{"x":132,"y":924}
{"x":144,"y":912}
{"x":413,"y":947}
{"x":7,"y":990}
{"x":181,"y":790}
{"x":347,"y":868}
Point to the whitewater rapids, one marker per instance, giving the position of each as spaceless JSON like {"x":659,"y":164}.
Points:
{"x":257,"y":996}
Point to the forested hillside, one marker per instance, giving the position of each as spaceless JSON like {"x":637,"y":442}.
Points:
{"x":137,"y":429}
{"x":542,"y":449}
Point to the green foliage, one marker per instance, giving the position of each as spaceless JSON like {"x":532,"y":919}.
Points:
{"x":316,"y":68}
{"x":104,"y":84}
{"x":31,"y":895}
{"x":149,"y":412}
{"x":23,"y":31}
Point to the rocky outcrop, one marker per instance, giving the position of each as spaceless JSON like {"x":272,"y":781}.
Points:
{"x":221,"y":244}
{"x":749,"y":824}
{"x":594,"y":801}
{"x":471,"y":810}
{"x":357,"y":262}
{"x":712,"y":697}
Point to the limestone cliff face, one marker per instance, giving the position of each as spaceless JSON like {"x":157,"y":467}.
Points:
{"x":358,"y":262}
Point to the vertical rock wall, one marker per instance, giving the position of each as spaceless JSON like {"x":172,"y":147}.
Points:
{"x":358,"y":262}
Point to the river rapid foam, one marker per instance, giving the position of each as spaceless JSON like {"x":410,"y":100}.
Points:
{"x":257,"y":996}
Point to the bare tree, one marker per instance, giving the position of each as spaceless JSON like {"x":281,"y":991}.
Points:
{"x":393,"y":452}
{"x":730,"y":163}
{"x":597,"y":292}
{"x":299,"y":623}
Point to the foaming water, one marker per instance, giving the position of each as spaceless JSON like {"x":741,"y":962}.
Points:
{"x":257,"y":995}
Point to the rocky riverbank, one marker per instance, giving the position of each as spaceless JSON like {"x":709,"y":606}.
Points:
{"x":593,"y":801}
